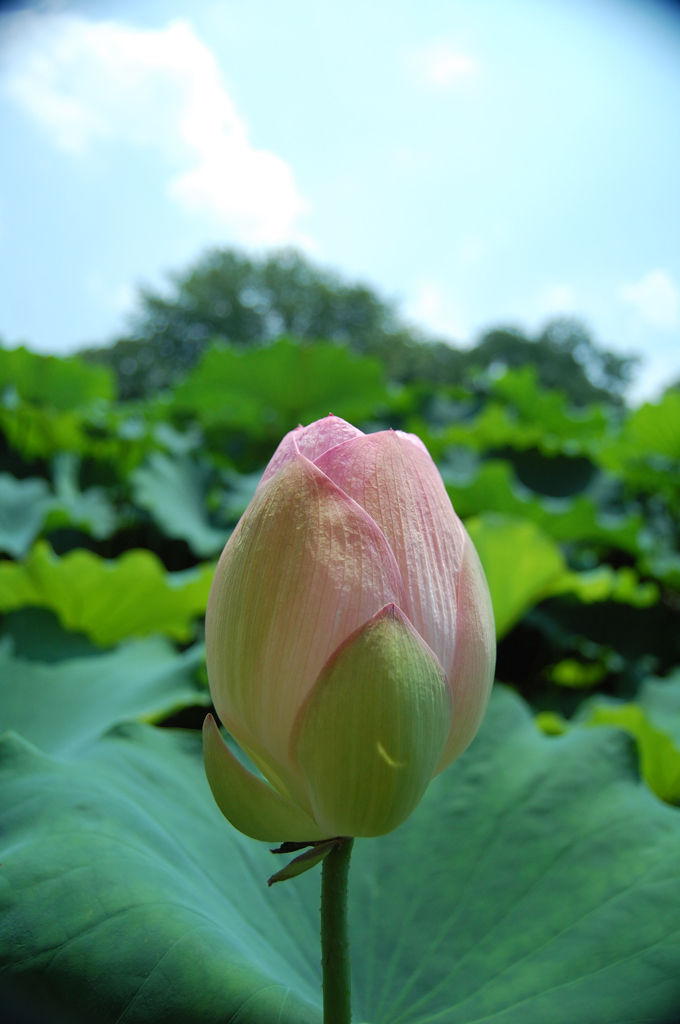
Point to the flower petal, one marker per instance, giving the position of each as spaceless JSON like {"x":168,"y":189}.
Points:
{"x":414,"y":439}
{"x":311,"y":442}
{"x":475,"y":655}
{"x":251,"y":806}
{"x":370,"y":734}
{"x":304,"y":568}
{"x":399,"y":485}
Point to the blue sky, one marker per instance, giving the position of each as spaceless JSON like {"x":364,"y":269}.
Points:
{"x":481,"y":162}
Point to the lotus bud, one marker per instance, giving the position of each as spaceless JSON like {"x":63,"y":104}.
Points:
{"x":350,"y":638}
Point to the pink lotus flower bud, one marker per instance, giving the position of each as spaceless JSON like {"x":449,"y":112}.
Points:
{"x":350,"y":638}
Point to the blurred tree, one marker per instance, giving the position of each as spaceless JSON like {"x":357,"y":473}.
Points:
{"x":565,"y":357}
{"x":251,"y":301}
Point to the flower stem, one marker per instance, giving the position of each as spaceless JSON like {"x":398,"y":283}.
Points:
{"x":335,"y":959}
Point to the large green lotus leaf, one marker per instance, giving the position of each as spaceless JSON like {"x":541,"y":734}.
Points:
{"x":24,"y":505}
{"x":133,"y":899}
{"x":38,"y":635}
{"x":659,"y":755}
{"x":655,"y":428}
{"x":63,"y":383}
{"x":89,"y":509}
{"x":120,"y":435}
{"x":548,"y":408}
{"x":665,"y":566}
{"x":172,"y":490}
{"x":646,"y":454}
{"x":241,"y":490}
{"x":552,"y":892}
{"x":498,"y":426}
{"x":607,"y":584}
{"x":60,"y":707}
{"x":661,"y":700}
{"x":41,"y":431}
{"x":29,"y":506}
{"x":653,"y":720}
{"x":108,"y":600}
{"x":494,"y":427}
{"x":268,"y":391}
{"x":521,"y":415}
{"x":538,"y":881}
{"x":494,"y":489}
{"x":523,"y":566}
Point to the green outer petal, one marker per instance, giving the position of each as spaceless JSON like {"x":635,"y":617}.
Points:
{"x":251,"y":806}
{"x":370,"y":734}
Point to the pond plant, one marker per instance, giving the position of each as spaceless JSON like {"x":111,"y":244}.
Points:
{"x":349,"y":648}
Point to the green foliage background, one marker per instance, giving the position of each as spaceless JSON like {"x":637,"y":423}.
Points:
{"x":538,"y":882}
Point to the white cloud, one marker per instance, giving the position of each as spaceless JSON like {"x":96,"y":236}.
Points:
{"x":656,"y":298}
{"x":440,"y":64}
{"x":86,"y":82}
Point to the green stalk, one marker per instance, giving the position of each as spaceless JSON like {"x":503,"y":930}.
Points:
{"x":335,"y":959}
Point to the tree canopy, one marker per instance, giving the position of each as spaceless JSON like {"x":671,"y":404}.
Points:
{"x":250,"y":301}
{"x":565,"y":356}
